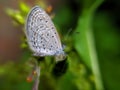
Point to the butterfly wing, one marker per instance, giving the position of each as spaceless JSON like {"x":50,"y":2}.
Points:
{"x":41,"y":33}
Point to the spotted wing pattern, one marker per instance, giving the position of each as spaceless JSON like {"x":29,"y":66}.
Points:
{"x":41,"y":33}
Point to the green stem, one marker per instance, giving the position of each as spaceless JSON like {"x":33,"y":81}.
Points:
{"x":85,"y":45}
{"x":94,"y":60}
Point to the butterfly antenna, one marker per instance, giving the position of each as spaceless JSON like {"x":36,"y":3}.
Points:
{"x":68,"y":33}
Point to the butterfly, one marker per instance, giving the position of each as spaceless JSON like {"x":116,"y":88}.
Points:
{"x":42,"y":36}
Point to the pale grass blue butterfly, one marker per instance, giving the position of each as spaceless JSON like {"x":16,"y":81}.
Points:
{"x":42,"y":36}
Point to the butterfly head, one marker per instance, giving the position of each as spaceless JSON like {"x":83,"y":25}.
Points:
{"x":61,"y":55}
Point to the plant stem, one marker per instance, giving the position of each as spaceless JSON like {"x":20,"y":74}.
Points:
{"x":86,"y":46}
{"x":36,"y":83}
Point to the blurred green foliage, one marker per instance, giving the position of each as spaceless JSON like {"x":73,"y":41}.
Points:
{"x":92,"y":42}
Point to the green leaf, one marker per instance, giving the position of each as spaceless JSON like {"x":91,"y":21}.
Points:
{"x":84,"y":43}
{"x":24,"y":8}
{"x":16,"y":15}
